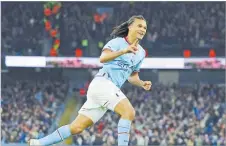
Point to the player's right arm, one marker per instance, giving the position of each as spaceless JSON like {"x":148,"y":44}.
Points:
{"x":109,"y":54}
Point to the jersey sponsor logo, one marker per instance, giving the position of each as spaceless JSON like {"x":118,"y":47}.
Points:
{"x":124,"y":66}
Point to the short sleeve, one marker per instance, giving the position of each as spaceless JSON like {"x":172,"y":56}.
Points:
{"x":112,"y":45}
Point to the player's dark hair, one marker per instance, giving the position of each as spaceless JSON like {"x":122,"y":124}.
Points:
{"x":122,"y":30}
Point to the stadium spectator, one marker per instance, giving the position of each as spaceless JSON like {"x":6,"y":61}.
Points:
{"x":30,"y":108}
{"x":193,"y":25}
{"x":167,"y":116}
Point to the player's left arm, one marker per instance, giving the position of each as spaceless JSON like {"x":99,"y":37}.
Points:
{"x":135,"y":80}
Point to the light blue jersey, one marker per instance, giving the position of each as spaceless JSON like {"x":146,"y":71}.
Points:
{"x":119,"y":69}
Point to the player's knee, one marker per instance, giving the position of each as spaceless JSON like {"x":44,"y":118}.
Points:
{"x":129,"y":114}
{"x":76,"y":129}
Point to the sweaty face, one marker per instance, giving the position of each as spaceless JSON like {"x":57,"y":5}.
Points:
{"x":138,"y":28}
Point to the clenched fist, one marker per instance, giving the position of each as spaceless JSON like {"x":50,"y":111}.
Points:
{"x":147,"y":85}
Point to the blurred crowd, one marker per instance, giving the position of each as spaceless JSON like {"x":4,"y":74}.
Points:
{"x":22,"y":28}
{"x":30,"y":108}
{"x":168,"y":115}
{"x":182,"y":24}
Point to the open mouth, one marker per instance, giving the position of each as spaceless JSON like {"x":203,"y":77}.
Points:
{"x":140,"y":33}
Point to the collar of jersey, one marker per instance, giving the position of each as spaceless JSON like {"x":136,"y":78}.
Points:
{"x":126,"y":39}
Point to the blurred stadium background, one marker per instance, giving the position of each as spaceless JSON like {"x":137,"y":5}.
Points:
{"x":49,"y":54}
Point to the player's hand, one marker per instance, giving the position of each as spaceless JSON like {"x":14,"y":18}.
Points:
{"x":147,"y":85}
{"x":131,"y":48}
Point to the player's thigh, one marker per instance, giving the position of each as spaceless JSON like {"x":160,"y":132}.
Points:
{"x":105,"y":93}
{"x":125,"y":108}
{"x":92,"y":110}
{"x":80,"y":123}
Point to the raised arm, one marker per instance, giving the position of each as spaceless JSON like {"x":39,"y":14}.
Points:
{"x":109,"y":53}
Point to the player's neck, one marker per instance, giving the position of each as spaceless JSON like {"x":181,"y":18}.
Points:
{"x":130,"y":39}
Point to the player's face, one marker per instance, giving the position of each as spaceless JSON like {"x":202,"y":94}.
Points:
{"x":138,"y":28}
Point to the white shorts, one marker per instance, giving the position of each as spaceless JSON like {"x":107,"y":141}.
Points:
{"x":101,"y":96}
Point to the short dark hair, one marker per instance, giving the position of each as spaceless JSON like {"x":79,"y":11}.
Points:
{"x":122,"y":30}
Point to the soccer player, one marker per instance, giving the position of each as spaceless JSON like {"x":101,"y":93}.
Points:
{"x":121,"y":57}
